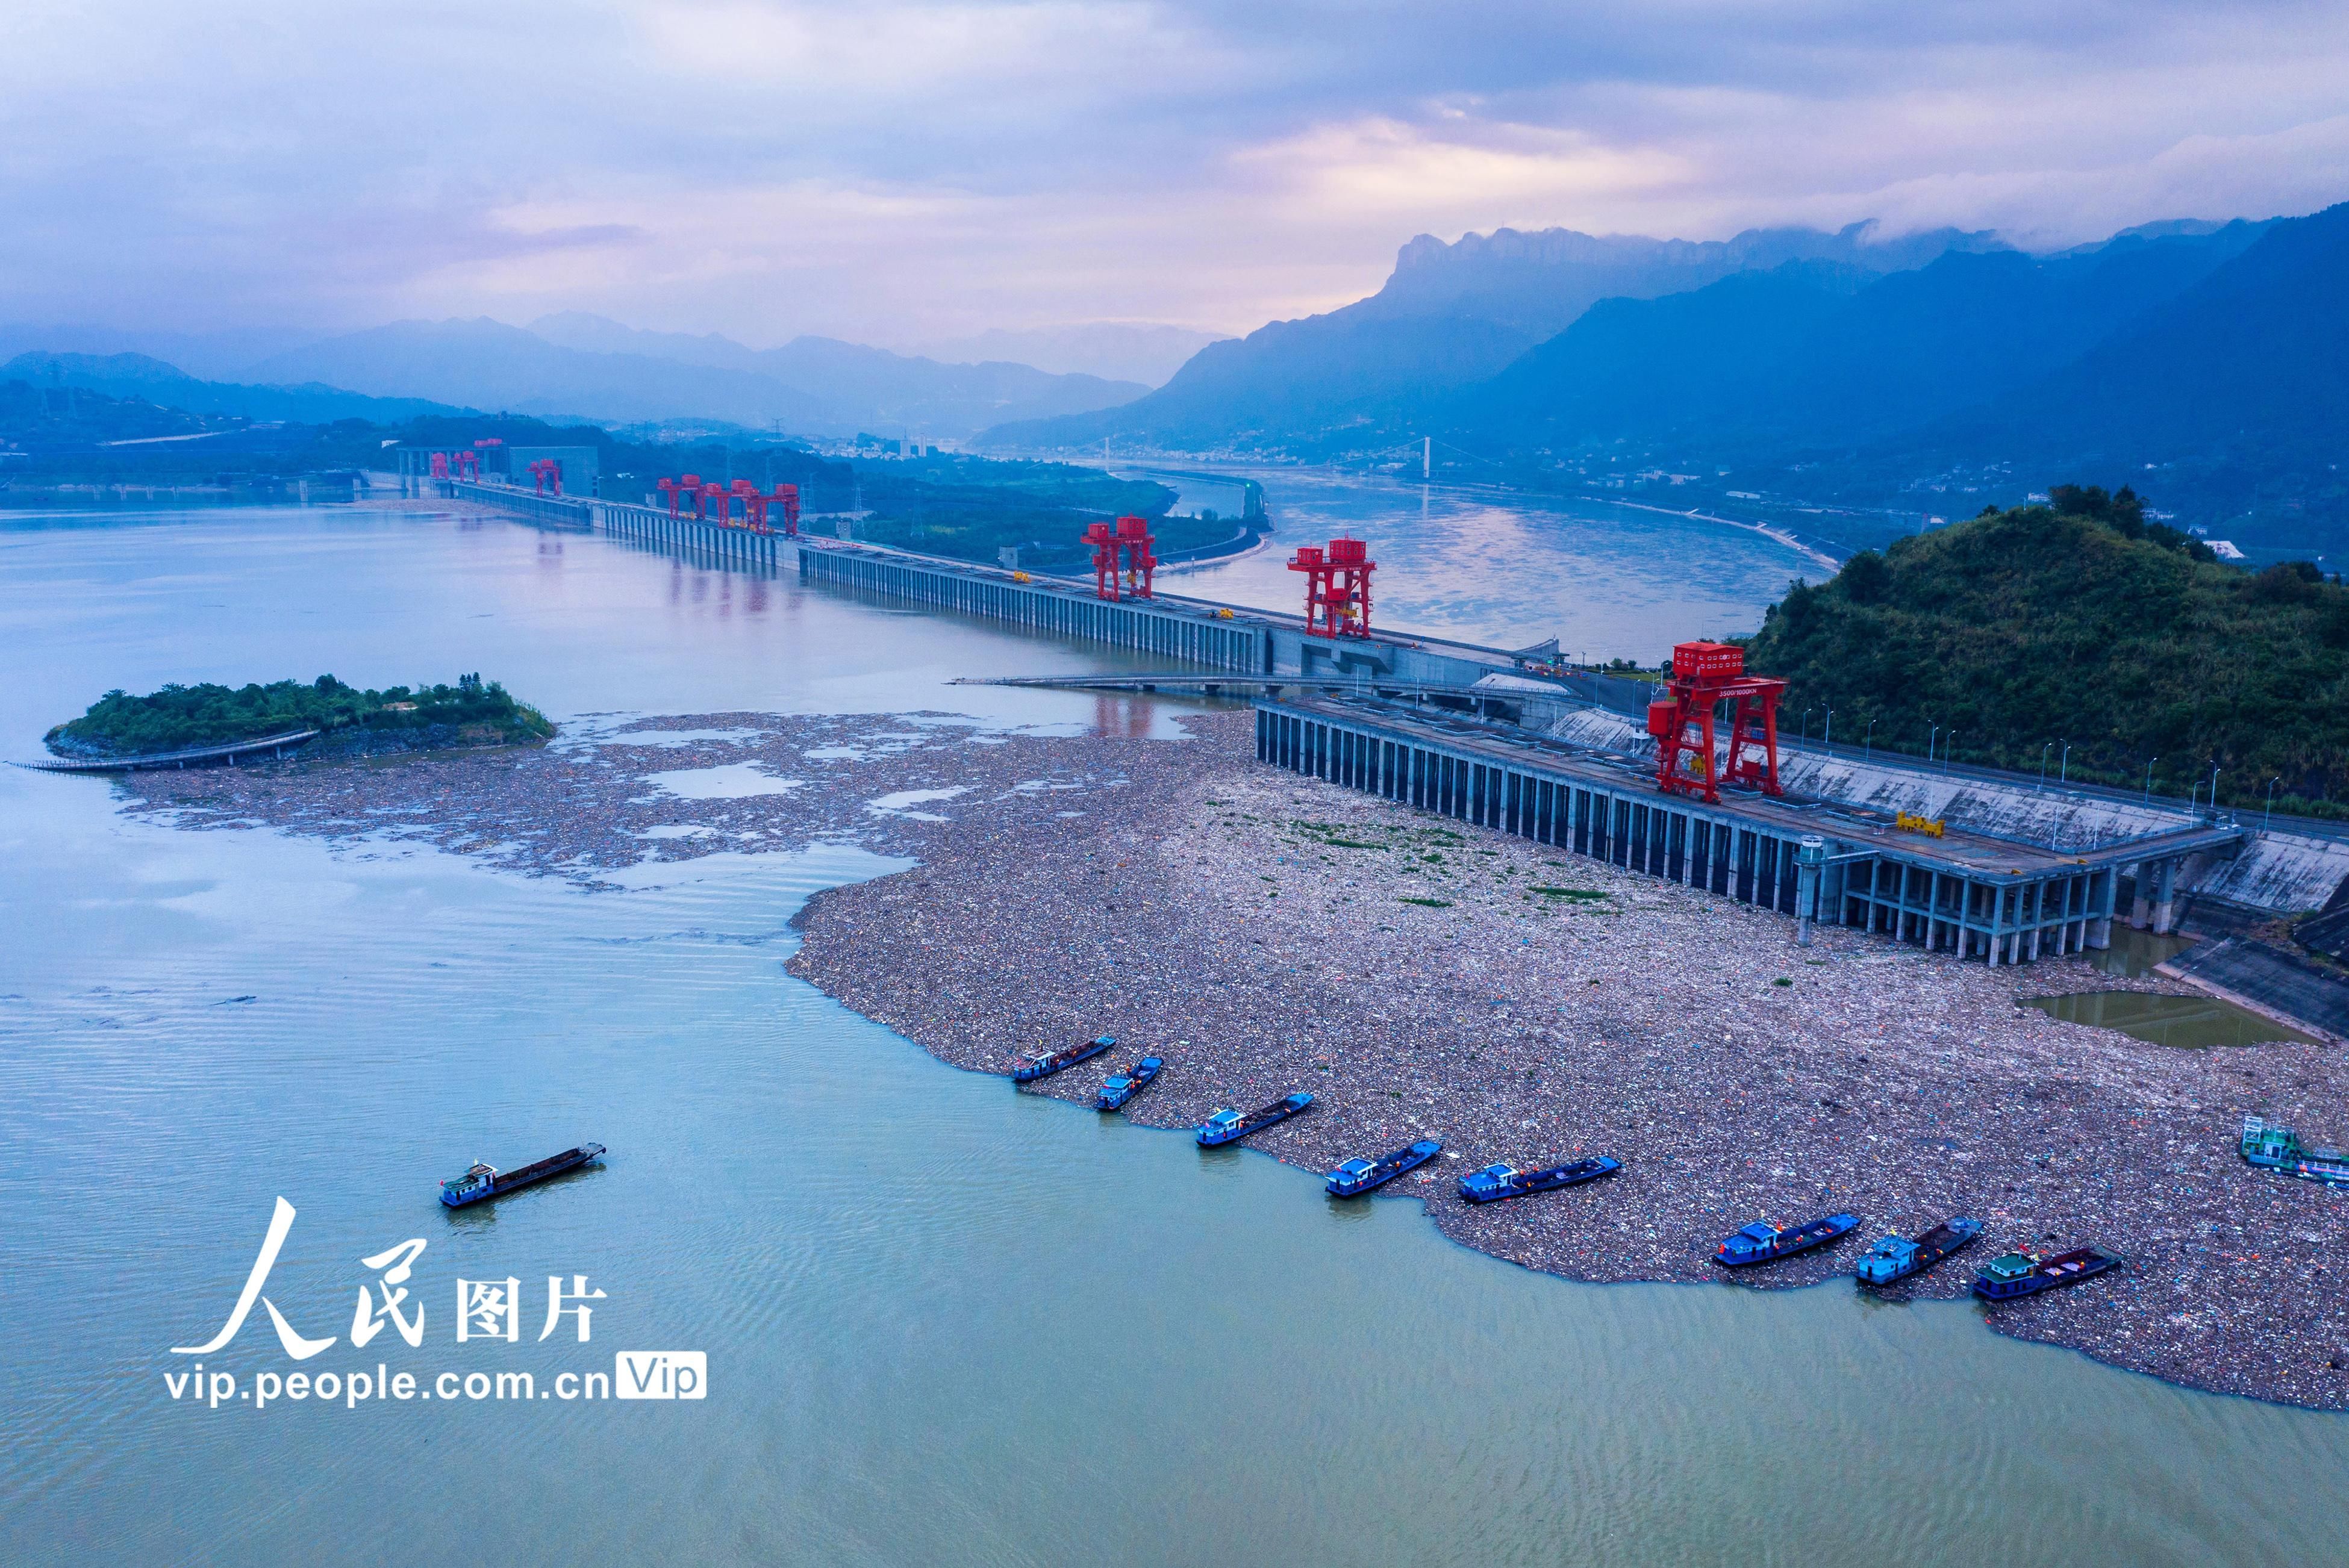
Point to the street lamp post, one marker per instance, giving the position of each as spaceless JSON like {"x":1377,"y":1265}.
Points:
{"x":1827,"y":741}
{"x":2148,"y":778}
{"x":1930,"y":739}
{"x":2215,"y":771}
{"x":2064,"y":767}
{"x":2043,"y":765}
{"x":1868,"y":750}
{"x":2270,"y":812}
{"x":1946,"y":750}
{"x":1804,"y":735}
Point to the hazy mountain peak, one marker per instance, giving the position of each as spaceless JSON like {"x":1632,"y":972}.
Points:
{"x":122,"y":369}
{"x":1138,"y":351}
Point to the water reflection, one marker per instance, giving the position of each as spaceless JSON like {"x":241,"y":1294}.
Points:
{"x":2136,"y":953}
{"x":1607,"y":581}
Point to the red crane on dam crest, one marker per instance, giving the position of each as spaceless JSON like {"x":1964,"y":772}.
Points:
{"x":1705,"y":678}
{"x":1337,"y":587}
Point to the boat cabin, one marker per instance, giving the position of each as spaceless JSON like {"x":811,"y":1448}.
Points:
{"x":478,"y":1180}
{"x":2011,"y":1266}
{"x":2265,"y":1143}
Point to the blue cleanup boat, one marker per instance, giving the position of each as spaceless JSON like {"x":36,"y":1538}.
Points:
{"x":1495,"y":1182}
{"x":1045,"y":1065}
{"x":1119,"y":1087}
{"x":1896,"y":1257}
{"x":1230,"y":1126}
{"x":1762,"y":1243}
{"x":2027,"y":1273}
{"x":1356,"y":1177}
{"x":489,"y":1182}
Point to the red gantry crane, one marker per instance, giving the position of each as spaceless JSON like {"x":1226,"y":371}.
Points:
{"x":1706,"y":675}
{"x":1141,"y":567}
{"x":1337,"y":587}
{"x":548,"y":473}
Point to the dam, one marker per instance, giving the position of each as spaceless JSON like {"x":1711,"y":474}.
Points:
{"x":1968,"y":894}
{"x":1500,"y":738}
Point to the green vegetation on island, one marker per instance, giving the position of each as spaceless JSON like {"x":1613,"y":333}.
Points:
{"x":179,"y":717}
{"x":972,"y":509}
{"x":2004,"y":639}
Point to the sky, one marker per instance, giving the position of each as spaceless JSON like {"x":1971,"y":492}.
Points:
{"x":894,"y":172}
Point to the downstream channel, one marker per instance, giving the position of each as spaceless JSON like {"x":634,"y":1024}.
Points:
{"x":944,"y":1323}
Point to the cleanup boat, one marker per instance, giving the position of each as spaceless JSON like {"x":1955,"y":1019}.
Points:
{"x":1495,"y":1182}
{"x":2028,"y":1274}
{"x":1896,"y":1257}
{"x":1045,"y":1065}
{"x":1762,"y":1243}
{"x":1119,"y":1087}
{"x":1356,"y":1177}
{"x":2279,"y":1149}
{"x":1230,"y":1126}
{"x":489,"y":1182}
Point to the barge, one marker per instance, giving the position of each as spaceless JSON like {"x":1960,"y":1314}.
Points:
{"x":2028,"y":1274}
{"x":1495,"y":1182}
{"x":488,"y":1181}
{"x":1896,"y":1257}
{"x":1119,"y":1087}
{"x":1230,"y":1126}
{"x":1045,"y":1064}
{"x":1762,"y":1243}
{"x":1356,"y":1177}
{"x":2278,"y":1148}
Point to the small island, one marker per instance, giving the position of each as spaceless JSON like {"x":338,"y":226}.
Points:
{"x":122,"y":728}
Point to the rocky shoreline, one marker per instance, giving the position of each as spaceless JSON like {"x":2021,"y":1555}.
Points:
{"x":1267,"y":933}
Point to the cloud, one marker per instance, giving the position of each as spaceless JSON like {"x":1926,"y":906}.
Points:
{"x":896,"y":169}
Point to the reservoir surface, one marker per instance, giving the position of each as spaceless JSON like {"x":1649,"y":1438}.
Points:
{"x":1608,"y":582}
{"x":943,"y":1323}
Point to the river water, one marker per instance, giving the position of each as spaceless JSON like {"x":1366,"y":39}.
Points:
{"x":944,"y":1323}
{"x":1608,"y":582}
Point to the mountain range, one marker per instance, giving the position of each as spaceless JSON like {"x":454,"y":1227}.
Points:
{"x":589,"y":367}
{"x":1448,"y":317}
{"x":2209,"y":361}
{"x":569,"y":366}
{"x":1813,"y":355}
{"x":152,"y":381}
{"x":1114,"y":350}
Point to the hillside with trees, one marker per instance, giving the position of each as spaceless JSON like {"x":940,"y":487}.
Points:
{"x":2020,"y":631}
